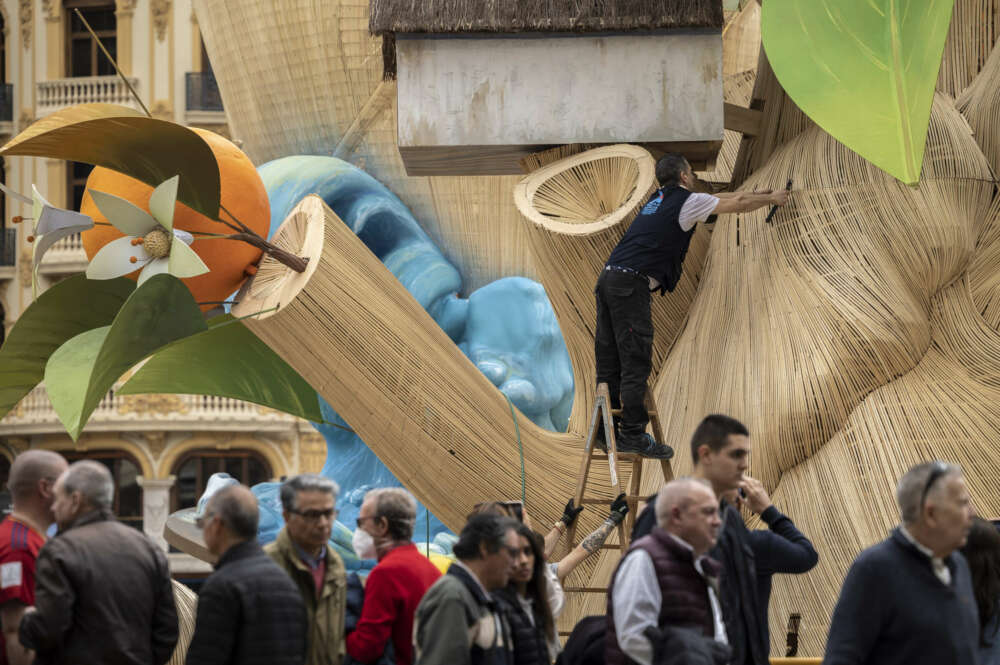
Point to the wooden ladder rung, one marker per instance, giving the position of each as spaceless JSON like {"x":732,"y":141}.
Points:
{"x":618,"y":412}
{"x":585,"y":589}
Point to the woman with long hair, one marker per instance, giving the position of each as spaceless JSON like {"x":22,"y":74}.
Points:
{"x":525,"y":602}
{"x":982,"y":549}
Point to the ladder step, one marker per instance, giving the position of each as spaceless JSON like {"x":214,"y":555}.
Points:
{"x":606,"y":502}
{"x":622,"y":457}
{"x":618,"y":412}
{"x":584,"y":589}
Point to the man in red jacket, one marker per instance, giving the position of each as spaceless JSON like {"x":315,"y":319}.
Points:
{"x":396,"y":585}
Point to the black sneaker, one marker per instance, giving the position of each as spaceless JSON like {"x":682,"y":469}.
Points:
{"x":644,"y":445}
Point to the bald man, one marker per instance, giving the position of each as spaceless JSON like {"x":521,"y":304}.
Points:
{"x":249,"y":610}
{"x":32,"y":477}
{"x":666,"y":580}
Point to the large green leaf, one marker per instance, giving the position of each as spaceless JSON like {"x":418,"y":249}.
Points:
{"x":82,"y":370}
{"x":125,"y":140}
{"x":67,"y":309}
{"x":227,"y":360}
{"x":863,"y":70}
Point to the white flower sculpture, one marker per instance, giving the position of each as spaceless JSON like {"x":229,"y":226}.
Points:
{"x":48,"y":225}
{"x":151,"y":242}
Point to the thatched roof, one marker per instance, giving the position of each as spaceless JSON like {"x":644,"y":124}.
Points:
{"x":499,"y":16}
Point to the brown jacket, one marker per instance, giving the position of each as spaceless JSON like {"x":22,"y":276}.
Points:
{"x":103,"y":595}
{"x":325,"y":619}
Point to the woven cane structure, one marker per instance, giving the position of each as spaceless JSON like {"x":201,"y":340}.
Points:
{"x":856,"y":335}
{"x":186,"y":602}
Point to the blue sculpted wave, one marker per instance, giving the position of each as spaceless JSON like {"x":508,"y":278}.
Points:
{"x":507,"y":328}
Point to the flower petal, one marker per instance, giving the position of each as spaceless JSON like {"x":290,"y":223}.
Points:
{"x":54,"y":225}
{"x":113,"y":259}
{"x":15,"y":195}
{"x":184,"y":236}
{"x":124,"y":215}
{"x":162,"y":202}
{"x":185,"y":262}
{"x":154,"y":267}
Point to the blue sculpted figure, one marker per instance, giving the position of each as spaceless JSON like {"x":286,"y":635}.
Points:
{"x":507,"y":328}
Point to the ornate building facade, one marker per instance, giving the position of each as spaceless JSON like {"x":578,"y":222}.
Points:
{"x":161,"y":449}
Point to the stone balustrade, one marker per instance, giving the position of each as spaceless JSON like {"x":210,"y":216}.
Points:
{"x":57,"y":94}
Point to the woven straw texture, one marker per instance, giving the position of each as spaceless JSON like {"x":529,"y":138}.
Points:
{"x":856,"y":335}
{"x":186,"y":602}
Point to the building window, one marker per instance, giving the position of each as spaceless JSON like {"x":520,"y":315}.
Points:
{"x":76,"y":182}
{"x":194,"y":469}
{"x":83,"y":57}
{"x":125,"y":471}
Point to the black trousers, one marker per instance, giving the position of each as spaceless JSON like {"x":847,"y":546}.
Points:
{"x":623,"y":344}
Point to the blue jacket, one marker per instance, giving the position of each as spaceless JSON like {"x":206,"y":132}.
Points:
{"x":893,"y":610}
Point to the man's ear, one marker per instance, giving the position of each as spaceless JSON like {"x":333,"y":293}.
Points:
{"x":704,"y":450}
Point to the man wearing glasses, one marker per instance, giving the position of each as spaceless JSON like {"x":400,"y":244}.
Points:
{"x":909,"y":599}
{"x":249,"y":612}
{"x":303,"y":550}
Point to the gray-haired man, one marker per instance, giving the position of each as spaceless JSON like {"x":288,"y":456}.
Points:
{"x":102,"y":589}
{"x":909,"y":599}
{"x":302,"y":549}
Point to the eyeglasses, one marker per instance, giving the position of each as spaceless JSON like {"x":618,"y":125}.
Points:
{"x":938,"y":470}
{"x":200,"y":522}
{"x":362,"y":520}
{"x":315,"y":515}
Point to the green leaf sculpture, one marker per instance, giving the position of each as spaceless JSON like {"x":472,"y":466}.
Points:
{"x":82,"y":370}
{"x":69,"y":308}
{"x":863,"y":70}
{"x":227,"y":360}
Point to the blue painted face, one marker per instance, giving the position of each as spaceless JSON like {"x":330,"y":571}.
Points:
{"x":507,"y":328}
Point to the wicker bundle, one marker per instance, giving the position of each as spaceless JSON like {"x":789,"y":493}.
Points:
{"x":186,"y":602}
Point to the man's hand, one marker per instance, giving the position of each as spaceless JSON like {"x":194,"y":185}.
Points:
{"x":756,"y":496}
{"x":570,"y":513}
{"x":779,"y":198}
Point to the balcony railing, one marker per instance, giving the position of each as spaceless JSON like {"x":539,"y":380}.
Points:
{"x":6,"y":102}
{"x":8,"y":251}
{"x":202,"y":92}
{"x":61,"y":93}
{"x":34,"y":414}
{"x":65,"y":257}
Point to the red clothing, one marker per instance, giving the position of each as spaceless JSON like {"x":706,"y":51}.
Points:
{"x":19,"y":545}
{"x":392,"y":593}
{"x":319,"y":576}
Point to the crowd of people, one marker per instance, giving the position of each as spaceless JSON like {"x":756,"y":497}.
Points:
{"x":693,"y":586}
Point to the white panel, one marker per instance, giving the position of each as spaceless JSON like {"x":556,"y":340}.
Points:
{"x":560,"y":89}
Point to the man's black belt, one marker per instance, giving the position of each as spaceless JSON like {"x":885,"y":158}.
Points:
{"x":627,"y":271}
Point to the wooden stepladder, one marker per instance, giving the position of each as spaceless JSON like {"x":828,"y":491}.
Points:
{"x":603,"y":417}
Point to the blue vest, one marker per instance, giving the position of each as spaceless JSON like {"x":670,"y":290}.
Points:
{"x":655,"y":244}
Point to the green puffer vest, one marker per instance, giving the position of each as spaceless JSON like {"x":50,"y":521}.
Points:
{"x":326,"y":614}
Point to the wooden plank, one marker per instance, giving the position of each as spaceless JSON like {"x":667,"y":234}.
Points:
{"x":741,"y":119}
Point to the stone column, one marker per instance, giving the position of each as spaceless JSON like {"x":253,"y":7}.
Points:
{"x":156,"y":506}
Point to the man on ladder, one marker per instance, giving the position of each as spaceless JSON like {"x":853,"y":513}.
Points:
{"x":650,"y":257}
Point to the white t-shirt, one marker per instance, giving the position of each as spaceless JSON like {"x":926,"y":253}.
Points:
{"x":696,"y":209}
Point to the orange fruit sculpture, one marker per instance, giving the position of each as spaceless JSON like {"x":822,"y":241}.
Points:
{"x":242,"y":193}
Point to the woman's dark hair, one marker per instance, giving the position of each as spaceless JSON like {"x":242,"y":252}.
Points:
{"x":538,"y":585}
{"x":982,"y":549}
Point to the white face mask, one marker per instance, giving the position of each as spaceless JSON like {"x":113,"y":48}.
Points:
{"x":364,"y":545}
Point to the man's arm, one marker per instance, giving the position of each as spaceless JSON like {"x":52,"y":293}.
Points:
{"x":44,"y":626}
{"x":378,"y":613}
{"x":164,"y":629}
{"x":748,"y":201}
{"x":857,"y":618}
{"x":442,"y":634}
{"x":786,"y":548}
{"x":593,"y":542}
{"x":636,"y":600}
{"x":216,"y":623}
{"x":10,"y":617}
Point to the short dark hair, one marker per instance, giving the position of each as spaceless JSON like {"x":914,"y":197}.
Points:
{"x":305,"y":482}
{"x":713,"y":432}
{"x":482,"y":529}
{"x":669,"y":169}
{"x":238,"y":514}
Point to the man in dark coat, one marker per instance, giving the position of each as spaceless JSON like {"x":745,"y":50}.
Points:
{"x":102,"y":589}
{"x":720,"y":447}
{"x":249,"y":610}
{"x":650,"y":257}
{"x":909,"y":599}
